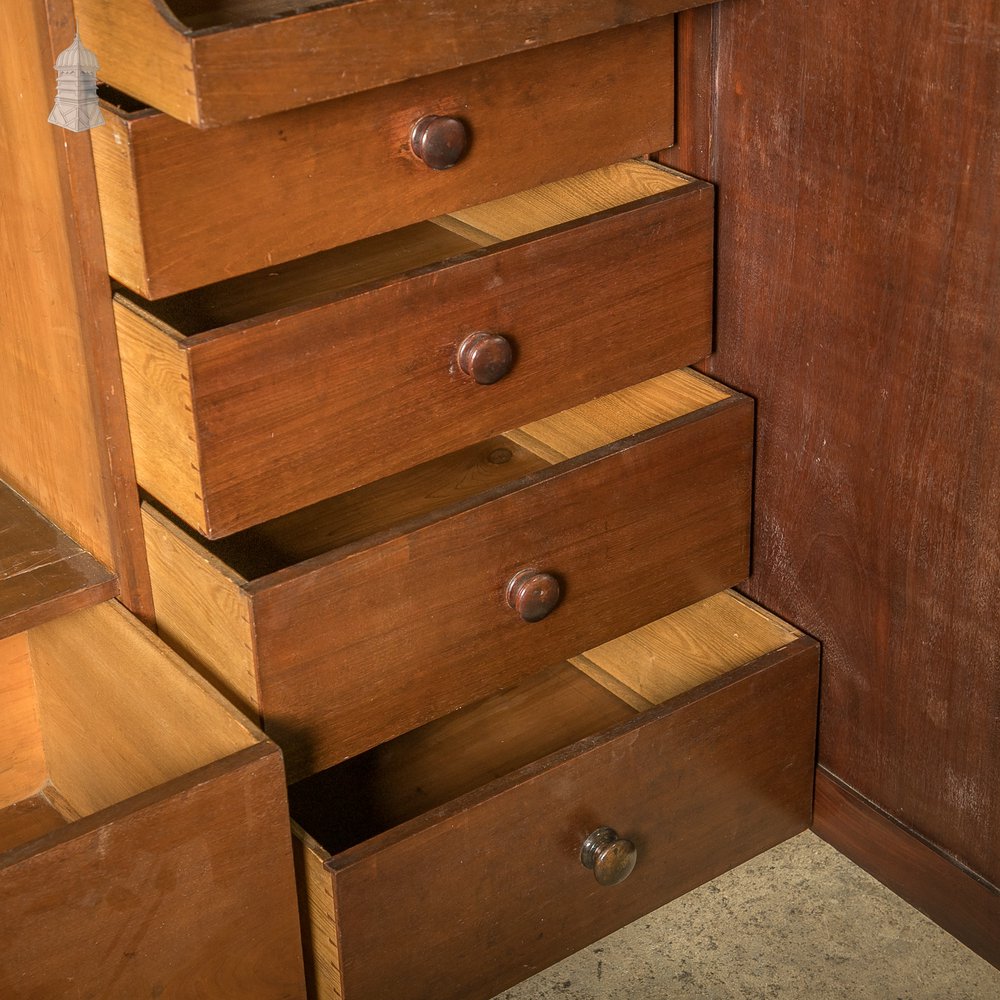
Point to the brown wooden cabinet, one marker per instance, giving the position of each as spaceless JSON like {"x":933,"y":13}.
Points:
{"x":457,"y":534}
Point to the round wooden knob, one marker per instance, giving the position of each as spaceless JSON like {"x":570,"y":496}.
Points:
{"x":533,"y":594}
{"x":439,"y":141}
{"x":485,"y":357}
{"x":610,"y":857}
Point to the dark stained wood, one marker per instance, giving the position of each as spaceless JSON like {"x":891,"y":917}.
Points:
{"x":184,"y":891}
{"x":440,"y":141}
{"x":184,"y":207}
{"x":858,"y":148}
{"x":24,"y":821}
{"x":373,"y":638}
{"x":223,"y":62}
{"x":288,"y":409}
{"x":447,"y":758}
{"x":43,"y":573}
{"x":699,"y":786}
{"x":533,"y":594}
{"x":485,"y":357}
{"x":933,"y":882}
{"x":694,"y":144}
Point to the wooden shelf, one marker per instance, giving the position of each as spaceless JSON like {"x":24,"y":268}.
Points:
{"x":43,"y":573}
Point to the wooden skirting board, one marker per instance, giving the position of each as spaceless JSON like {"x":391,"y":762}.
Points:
{"x":951,"y":895}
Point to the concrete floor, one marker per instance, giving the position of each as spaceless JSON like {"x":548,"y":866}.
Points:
{"x":800,"y":921}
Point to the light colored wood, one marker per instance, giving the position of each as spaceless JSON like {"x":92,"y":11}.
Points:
{"x":55,"y":458}
{"x":606,"y":419}
{"x":209,"y":66}
{"x":22,"y":759}
{"x":688,"y":648}
{"x":159,"y":398}
{"x":23,"y":821}
{"x":119,"y":712}
{"x":202,"y":613}
{"x":567,"y":200}
{"x":318,"y":914}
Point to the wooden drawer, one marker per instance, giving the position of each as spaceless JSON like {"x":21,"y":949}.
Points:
{"x":364,"y":616}
{"x":144,"y":845}
{"x":693,"y":738}
{"x":183,"y":208}
{"x":217,"y":62}
{"x":268,"y":392}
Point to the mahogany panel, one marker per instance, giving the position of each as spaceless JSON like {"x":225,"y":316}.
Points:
{"x":858,"y":153}
{"x":699,"y":786}
{"x":183,"y":207}
{"x":934,"y":883}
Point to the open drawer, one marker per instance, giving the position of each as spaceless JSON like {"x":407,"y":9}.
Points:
{"x":227,"y":60}
{"x":183,"y":208}
{"x":265,"y":393}
{"x":364,"y":616}
{"x":691,"y":739}
{"x":144,"y":846}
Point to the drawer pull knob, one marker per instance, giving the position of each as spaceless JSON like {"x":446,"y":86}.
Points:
{"x":533,"y":594}
{"x":438,"y":141}
{"x":610,"y":857}
{"x":485,"y":357}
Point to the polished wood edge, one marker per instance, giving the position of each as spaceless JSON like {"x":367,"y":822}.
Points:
{"x":121,"y":497}
{"x":694,"y":148}
{"x":43,"y":573}
{"x":266,"y":585}
{"x":801,"y":653}
{"x":953,"y":896}
{"x":247,"y":757}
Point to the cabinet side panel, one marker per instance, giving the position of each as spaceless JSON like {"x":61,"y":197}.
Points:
{"x":66,"y":446}
{"x":858,"y":298}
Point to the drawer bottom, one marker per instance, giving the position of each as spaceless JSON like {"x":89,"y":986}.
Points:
{"x":692,"y":737}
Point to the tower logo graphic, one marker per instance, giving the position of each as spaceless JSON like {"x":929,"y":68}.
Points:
{"x":76,"y":107}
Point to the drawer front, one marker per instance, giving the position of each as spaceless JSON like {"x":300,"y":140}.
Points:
{"x":698,"y":786}
{"x":183,"y":208}
{"x":205,"y":71}
{"x":285,"y":412}
{"x":144,"y":838}
{"x":392,"y":633}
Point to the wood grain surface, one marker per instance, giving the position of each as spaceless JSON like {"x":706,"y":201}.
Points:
{"x":289,"y":408}
{"x":223,"y":61}
{"x":43,"y":572}
{"x":207,"y":211}
{"x":65,"y":446}
{"x":22,"y":756}
{"x":183,"y":891}
{"x":369,"y":639}
{"x":927,"y":878}
{"x":859,"y":290}
{"x":699,"y":785}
